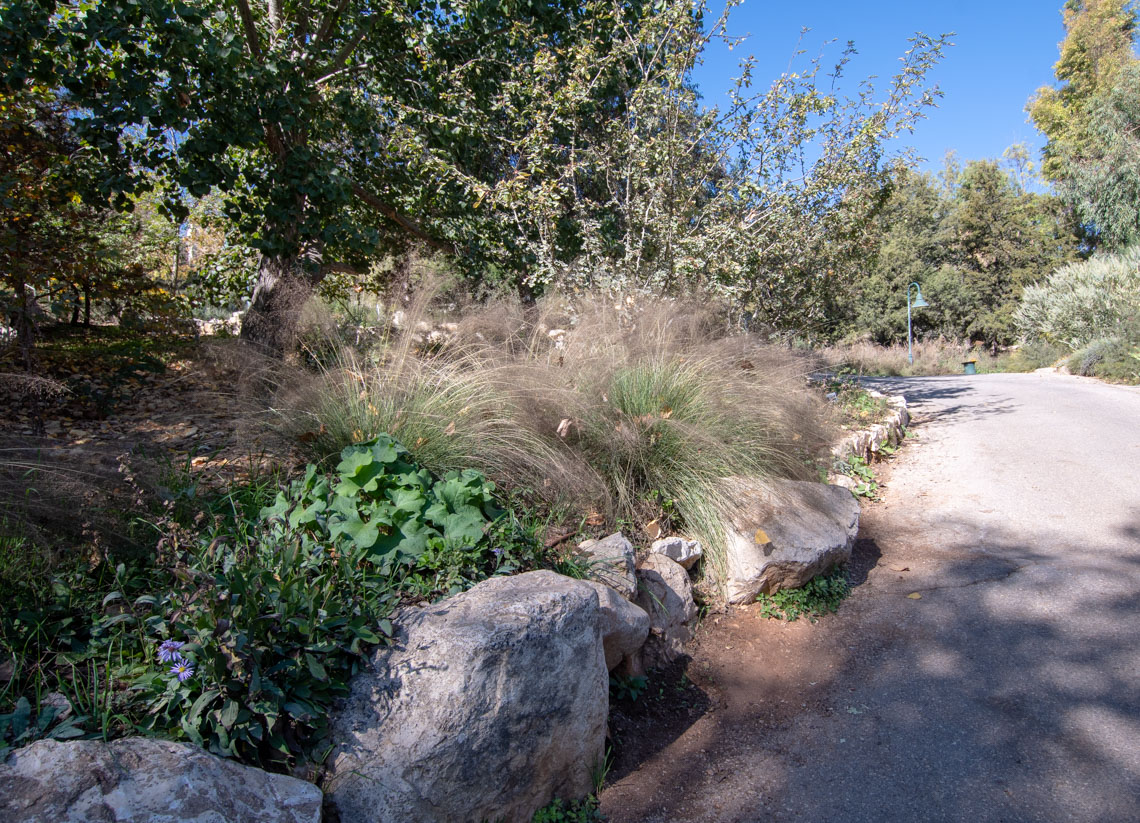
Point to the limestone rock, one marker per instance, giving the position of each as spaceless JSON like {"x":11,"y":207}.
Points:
{"x":783,"y":535}
{"x":139,"y":780}
{"x":625,"y":627}
{"x":685,"y":552}
{"x":489,"y":704}
{"x":898,"y":404}
{"x":845,"y":481}
{"x":611,"y":561}
{"x":665,"y":593}
{"x":880,"y":436}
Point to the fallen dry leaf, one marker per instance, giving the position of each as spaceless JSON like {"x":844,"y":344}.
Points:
{"x":900,"y":568}
{"x":595,"y":519}
{"x":653,"y":529}
{"x":564,"y":427}
{"x":761,"y":538}
{"x":914,"y":596}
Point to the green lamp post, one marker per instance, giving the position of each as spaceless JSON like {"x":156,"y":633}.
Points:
{"x":918,"y":304}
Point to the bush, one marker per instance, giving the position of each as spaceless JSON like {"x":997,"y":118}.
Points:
{"x":1115,"y":358}
{"x":1082,"y":302}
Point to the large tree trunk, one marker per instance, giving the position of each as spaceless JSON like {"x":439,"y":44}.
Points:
{"x":281,"y":292}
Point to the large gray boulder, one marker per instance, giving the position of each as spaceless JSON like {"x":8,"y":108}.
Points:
{"x":488,"y":705}
{"x":611,"y":561}
{"x":784,"y":533}
{"x":666,"y":594}
{"x":624,"y":625}
{"x":139,"y":780}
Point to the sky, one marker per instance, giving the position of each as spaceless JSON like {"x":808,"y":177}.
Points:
{"x":1004,"y":51}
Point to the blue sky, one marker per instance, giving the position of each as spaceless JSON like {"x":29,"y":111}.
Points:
{"x":1005,"y":50}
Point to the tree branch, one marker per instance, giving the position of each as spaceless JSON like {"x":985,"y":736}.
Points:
{"x":250,"y":29}
{"x":327,"y":25}
{"x":407,"y":224}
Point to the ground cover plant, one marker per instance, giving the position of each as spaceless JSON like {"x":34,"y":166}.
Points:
{"x":819,"y":596}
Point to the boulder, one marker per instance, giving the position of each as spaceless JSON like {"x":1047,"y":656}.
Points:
{"x":880,"y":436}
{"x":140,"y":780}
{"x":784,"y":533}
{"x":611,"y":561}
{"x":488,"y":705}
{"x":665,"y":593}
{"x":624,"y":627}
{"x":678,"y":549}
{"x":845,"y":481}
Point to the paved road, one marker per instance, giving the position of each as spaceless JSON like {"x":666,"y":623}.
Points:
{"x":1010,"y":691}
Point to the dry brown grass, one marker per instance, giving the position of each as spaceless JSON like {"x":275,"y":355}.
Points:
{"x":931,"y":357}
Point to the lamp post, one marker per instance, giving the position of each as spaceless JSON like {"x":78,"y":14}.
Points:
{"x":918,"y":304}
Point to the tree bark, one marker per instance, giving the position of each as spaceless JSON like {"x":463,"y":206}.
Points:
{"x":281,"y":291}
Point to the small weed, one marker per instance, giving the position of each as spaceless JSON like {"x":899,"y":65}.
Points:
{"x":821,"y":595}
{"x":627,"y":688}
{"x":560,"y":811}
{"x":858,"y":468}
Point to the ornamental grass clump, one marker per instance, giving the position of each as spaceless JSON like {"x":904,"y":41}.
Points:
{"x":650,"y":403}
{"x":620,"y":411}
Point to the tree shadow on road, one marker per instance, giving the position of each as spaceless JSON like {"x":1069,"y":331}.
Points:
{"x":1005,"y":691}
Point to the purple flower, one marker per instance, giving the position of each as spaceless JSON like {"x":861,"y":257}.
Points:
{"x":183,"y":668}
{"x":168,"y":651}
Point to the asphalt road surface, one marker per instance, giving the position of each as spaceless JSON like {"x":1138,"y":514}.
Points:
{"x":1007,"y":690}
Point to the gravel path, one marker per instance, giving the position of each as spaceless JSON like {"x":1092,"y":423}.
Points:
{"x":986,"y":667}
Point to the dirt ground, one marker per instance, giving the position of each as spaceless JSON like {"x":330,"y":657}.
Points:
{"x":746,"y":676}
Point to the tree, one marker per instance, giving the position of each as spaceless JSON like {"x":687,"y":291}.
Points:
{"x":973,"y":241}
{"x":337,"y":129}
{"x":1103,"y":183}
{"x":766,"y":203}
{"x":1097,"y":45}
{"x":1091,"y":120}
{"x":38,"y":209}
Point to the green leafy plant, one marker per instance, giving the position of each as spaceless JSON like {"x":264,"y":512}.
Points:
{"x":819,"y":596}
{"x":627,"y":688}
{"x":271,"y":627}
{"x":22,"y":726}
{"x":241,"y":638}
{"x":858,"y":468}
{"x":561,"y":811}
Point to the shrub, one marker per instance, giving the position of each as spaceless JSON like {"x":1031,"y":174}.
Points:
{"x":1082,"y":302}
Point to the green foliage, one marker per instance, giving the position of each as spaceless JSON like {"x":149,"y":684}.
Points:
{"x":545,"y":144}
{"x":561,"y":811}
{"x":1097,"y":46}
{"x":972,"y":244}
{"x":1082,"y":302}
{"x":855,"y":404}
{"x":21,"y":726}
{"x":627,"y":688}
{"x":1102,"y":184}
{"x":1116,"y":359}
{"x":819,"y":596}
{"x":858,"y":468}
{"x":271,"y":610}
